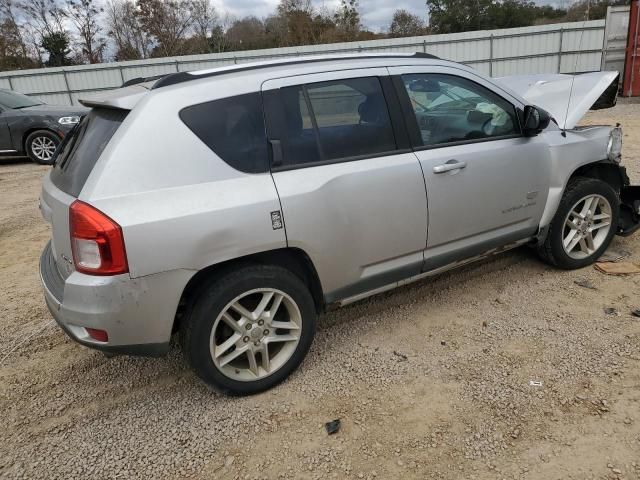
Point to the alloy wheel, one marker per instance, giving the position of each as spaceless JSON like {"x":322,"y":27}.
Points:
{"x":586,"y":227}
{"x":256,"y":334}
{"x":43,"y":148}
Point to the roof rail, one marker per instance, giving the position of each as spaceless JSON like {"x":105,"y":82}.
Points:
{"x":137,"y":80}
{"x":181,"y":77}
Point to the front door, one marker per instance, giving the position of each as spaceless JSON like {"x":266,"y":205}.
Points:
{"x":486,"y":183}
{"x":352,"y":195}
{"x":6,"y":145}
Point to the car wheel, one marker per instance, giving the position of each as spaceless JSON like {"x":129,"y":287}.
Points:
{"x":41,"y":145}
{"x":249,"y":329}
{"x":582,"y":229}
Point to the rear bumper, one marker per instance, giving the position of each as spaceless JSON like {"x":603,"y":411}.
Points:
{"x":137,"y":314}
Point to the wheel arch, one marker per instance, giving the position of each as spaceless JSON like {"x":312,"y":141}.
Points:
{"x":610,"y":173}
{"x":293,"y":259}
{"x":30,"y":130}
{"x":607,"y":172}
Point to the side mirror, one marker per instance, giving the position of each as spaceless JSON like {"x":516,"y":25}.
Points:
{"x":535,"y":120}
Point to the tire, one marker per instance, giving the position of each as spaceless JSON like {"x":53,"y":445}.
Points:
{"x":41,"y":145}
{"x":553,"y":250}
{"x":205,"y":323}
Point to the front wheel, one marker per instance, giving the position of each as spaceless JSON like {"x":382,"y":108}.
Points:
{"x":249,"y":329}
{"x":41,"y":146}
{"x":585,"y":223}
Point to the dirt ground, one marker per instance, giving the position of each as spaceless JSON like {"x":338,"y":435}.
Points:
{"x":429,"y":381}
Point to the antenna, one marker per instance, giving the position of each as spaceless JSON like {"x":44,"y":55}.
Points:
{"x":575,"y":67}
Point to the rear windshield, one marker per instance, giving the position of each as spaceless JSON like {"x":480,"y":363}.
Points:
{"x":82,"y":147}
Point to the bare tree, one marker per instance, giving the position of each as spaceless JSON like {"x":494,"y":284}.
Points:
{"x":247,"y":33}
{"x":347,"y":18}
{"x":405,"y":24}
{"x":168,"y":22}
{"x":45,"y":16}
{"x":45,"y":27}
{"x":11,"y":28}
{"x":86,"y":17}
{"x":205,"y":19}
{"x":130,"y":40}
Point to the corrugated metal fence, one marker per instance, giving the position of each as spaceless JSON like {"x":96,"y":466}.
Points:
{"x":562,"y":47}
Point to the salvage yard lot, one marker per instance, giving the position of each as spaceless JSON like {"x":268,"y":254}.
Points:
{"x":429,"y":381}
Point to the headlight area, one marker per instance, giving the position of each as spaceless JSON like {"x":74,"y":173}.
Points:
{"x":71,"y":120}
{"x":614,"y":147}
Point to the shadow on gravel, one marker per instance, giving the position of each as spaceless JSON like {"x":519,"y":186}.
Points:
{"x":15,"y":161}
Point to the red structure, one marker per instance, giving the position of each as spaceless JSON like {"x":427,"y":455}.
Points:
{"x":631,"y":82}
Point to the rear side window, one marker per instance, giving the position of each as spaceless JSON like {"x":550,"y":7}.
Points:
{"x":80,"y":150}
{"x":233,"y":128}
{"x":335,"y":120}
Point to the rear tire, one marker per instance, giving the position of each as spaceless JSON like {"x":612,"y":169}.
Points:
{"x":247,"y":330}
{"x":585,"y":223}
{"x":41,"y":146}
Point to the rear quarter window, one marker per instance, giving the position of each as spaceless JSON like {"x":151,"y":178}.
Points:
{"x":80,"y":150}
{"x":233,"y":128}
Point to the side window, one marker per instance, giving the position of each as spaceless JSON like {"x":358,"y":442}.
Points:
{"x":233,"y":128}
{"x":334,"y":120}
{"x":454,"y":109}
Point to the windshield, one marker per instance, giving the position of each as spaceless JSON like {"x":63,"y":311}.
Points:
{"x":9,"y":99}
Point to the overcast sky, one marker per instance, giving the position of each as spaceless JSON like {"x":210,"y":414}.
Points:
{"x":376,"y":14}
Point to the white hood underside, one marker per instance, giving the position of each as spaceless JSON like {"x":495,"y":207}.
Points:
{"x":567,"y":104}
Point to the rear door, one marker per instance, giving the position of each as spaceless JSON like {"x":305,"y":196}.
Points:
{"x":352,"y":192}
{"x":486,"y":183}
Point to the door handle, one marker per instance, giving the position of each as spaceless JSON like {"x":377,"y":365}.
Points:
{"x":449,"y":166}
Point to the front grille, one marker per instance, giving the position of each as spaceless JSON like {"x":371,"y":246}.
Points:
{"x":50,"y":275}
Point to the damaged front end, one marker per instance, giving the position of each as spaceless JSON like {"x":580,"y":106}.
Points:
{"x":629,"y":219}
{"x":568,"y":98}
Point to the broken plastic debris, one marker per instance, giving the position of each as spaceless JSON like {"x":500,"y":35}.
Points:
{"x":636,"y":313}
{"x":332,"y":427}
{"x":403,"y":357}
{"x":535,"y":383}
{"x":622,"y":268}
{"x":584,"y":283}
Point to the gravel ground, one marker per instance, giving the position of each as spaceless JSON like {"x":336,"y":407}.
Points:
{"x":430,"y":381}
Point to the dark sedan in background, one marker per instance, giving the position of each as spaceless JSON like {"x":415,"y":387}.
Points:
{"x":30,"y":128}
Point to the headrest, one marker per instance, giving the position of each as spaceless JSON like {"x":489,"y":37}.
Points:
{"x":372,"y":110}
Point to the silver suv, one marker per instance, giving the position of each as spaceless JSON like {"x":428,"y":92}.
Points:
{"x":234,"y":205}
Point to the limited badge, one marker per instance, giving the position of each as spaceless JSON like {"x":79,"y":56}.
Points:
{"x":276,"y":220}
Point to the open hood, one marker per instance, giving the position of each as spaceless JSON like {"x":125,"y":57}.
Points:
{"x":567,"y":104}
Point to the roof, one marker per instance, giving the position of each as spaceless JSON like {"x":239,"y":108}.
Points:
{"x":134,"y":90}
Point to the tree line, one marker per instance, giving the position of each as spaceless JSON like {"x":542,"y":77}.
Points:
{"x":36,"y":33}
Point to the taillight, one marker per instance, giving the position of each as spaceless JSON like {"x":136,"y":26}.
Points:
{"x":97,"y":242}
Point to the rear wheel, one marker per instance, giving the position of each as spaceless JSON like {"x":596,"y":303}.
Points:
{"x":248,"y":330}
{"x":41,"y":145}
{"x":583,"y":226}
